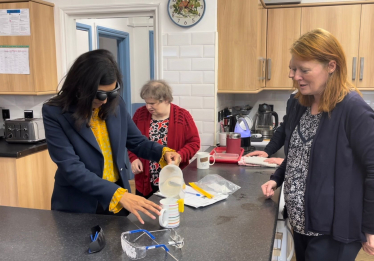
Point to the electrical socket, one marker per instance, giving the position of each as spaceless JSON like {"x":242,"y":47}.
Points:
{"x":28,"y":114}
{"x":6,"y":114}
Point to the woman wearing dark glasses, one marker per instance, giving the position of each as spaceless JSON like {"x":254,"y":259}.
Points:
{"x":87,"y":129}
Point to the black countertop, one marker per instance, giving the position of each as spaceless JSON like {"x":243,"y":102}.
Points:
{"x":18,"y":150}
{"x":241,"y":227}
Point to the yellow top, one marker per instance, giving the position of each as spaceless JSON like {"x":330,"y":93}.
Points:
{"x":110,"y":172}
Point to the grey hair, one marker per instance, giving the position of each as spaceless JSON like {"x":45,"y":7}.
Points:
{"x":158,"y":90}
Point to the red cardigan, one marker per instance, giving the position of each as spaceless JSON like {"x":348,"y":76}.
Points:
{"x":183,"y":137}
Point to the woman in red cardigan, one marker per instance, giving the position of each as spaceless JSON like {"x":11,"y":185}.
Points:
{"x":167,"y":124}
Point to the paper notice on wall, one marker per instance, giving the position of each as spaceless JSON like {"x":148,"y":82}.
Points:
{"x":14,"y":60}
{"x":14,"y":22}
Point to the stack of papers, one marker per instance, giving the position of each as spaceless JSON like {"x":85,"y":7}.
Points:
{"x":190,"y":198}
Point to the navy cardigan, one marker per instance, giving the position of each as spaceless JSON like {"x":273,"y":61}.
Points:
{"x":339,"y":194}
{"x":79,"y":186}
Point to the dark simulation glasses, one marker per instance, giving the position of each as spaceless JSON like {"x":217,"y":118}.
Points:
{"x":103,"y":95}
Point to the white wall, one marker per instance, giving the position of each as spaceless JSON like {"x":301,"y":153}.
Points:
{"x":140,"y":52}
{"x":276,"y":98}
{"x":193,"y":86}
{"x":82,"y":42}
{"x":207,"y":24}
{"x":18,"y":103}
{"x":189,"y":67}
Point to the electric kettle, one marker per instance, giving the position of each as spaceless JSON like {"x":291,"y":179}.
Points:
{"x":245,"y":133}
{"x":263,"y":122}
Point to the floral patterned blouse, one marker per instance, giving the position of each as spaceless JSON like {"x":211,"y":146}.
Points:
{"x":158,"y":132}
{"x":297,"y":170}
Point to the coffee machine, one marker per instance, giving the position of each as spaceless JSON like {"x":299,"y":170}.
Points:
{"x":263,"y":122}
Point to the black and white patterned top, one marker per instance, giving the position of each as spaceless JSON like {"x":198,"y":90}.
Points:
{"x":297,"y":170}
{"x":158,"y":132}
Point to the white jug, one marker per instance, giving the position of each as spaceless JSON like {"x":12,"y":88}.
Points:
{"x":171,"y":181}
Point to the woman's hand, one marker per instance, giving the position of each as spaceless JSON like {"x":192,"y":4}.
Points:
{"x":257,"y":153}
{"x":136,"y":166}
{"x":277,"y":161}
{"x":368,"y":246}
{"x":268,"y":188}
{"x":172,"y":157}
{"x":134,"y":203}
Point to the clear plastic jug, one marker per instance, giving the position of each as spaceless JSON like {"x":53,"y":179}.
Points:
{"x":171,"y":181}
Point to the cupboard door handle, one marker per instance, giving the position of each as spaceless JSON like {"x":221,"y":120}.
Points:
{"x":269,"y":69}
{"x":361,"y":68}
{"x":354,"y":68}
{"x":263,"y":68}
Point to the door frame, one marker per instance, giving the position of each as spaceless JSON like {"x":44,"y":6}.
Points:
{"x":87,"y":28}
{"x":151,"y":55}
{"x":66,"y":26}
{"x":123,"y":58}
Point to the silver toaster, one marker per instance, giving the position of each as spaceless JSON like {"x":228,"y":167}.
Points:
{"x":24,"y":130}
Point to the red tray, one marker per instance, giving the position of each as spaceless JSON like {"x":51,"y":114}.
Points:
{"x":226,"y":160}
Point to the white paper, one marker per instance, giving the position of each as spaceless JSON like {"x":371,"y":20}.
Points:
{"x":14,"y":60}
{"x":14,"y":22}
{"x":197,"y":201}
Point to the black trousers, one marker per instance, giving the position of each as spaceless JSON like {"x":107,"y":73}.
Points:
{"x":324,"y":248}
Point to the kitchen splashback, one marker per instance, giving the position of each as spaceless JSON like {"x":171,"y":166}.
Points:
{"x":276,"y":98}
{"x":18,"y":103}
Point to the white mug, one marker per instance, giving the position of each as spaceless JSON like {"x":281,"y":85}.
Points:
{"x":169,"y":217}
{"x":203,"y":160}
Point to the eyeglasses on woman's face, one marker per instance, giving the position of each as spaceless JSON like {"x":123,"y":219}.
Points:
{"x":103,"y":95}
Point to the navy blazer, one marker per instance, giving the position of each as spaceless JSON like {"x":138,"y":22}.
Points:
{"x":79,"y":185}
{"x":339,"y":192}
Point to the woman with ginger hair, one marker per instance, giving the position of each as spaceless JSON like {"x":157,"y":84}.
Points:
{"x":328,"y":138}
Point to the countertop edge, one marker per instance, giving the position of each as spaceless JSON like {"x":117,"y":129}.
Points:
{"x":20,"y":150}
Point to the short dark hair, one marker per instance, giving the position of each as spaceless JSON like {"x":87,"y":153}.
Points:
{"x":82,"y":81}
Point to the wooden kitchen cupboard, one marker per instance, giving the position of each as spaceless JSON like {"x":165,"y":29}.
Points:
{"x":365,"y":67}
{"x":241,"y":46}
{"x":28,"y":181}
{"x":42,"y":51}
{"x":283,"y":31}
{"x":343,"y":21}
